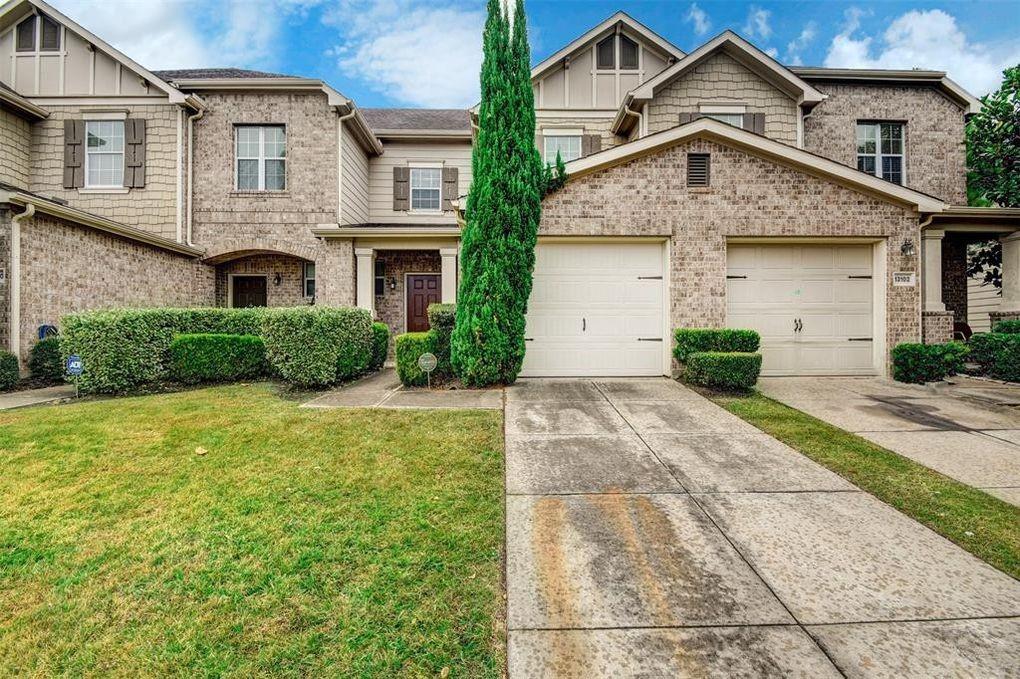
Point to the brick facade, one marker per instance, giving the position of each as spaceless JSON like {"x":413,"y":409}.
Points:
{"x":390,"y":307}
{"x":937,"y":327}
{"x":289,"y":291}
{"x":66,"y":267}
{"x":933,"y":132}
{"x":954,"y":275}
{"x":749,"y":196}
{"x":15,"y":145}
{"x":720,"y":79}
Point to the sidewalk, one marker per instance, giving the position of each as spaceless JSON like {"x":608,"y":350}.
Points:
{"x":383,"y":390}
{"x":34,"y":397}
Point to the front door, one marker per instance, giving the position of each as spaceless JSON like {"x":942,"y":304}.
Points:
{"x":422,"y":290}
{"x":249,"y":291}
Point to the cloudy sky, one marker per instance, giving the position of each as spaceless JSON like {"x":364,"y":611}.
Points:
{"x":425,"y":53}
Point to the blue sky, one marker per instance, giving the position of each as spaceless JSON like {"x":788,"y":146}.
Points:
{"x":425,"y":53}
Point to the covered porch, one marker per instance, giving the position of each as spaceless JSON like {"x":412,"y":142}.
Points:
{"x":947,"y":289}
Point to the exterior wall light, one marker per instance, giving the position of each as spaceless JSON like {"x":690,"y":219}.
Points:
{"x":393,"y":283}
{"x":907,"y":249}
{"x":277,"y":278}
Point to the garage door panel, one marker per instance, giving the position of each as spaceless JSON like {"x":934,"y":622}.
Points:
{"x":816,"y":258}
{"x":857,"y":258}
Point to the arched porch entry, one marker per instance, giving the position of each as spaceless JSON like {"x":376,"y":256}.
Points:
{"x":264,"y":276}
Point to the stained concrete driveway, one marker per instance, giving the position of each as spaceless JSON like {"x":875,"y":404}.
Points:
{"x":968,"y":430}
{"x":651,"y":533}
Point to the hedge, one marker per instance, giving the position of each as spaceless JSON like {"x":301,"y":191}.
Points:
{"x":1006,"y":362}
{"x":692,"y":340}
{"x":409,"y":347}
{"x":442,"y":318}
{"x":1007,"y":327}
{"x":983,"y":347}
{"x":731,"y":371}
{"x":9,"y":374}
{"x":211,"y":357}
{"x":44,"y":361}
{"x":125,"y":349}
{"x":380,"y":345}
{"x":920,"y":363}
{"x":317,"y":346}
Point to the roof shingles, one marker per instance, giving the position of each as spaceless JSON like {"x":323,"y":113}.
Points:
{"x":214,"y":74}
{"x":445,"y":119}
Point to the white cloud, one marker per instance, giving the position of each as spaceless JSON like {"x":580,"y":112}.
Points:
{"x":757,"y":25}
{"x":798,"y":44}
{"x":929,"y":39}
{"x":421,"y":55}
{"x":699,"y":18}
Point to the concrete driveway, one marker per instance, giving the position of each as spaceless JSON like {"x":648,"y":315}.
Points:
{"x":651,"y":533}
{"x":969,"y":430}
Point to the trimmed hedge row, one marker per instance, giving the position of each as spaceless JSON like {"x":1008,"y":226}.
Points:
{"x":126,"y":349}
{"x":44,"y":360}
{"x":1007,"y":327}
{"x":998,"y":353}
{"x":380,"y":345}
{"x":920,"y":363}
{"x":694,"y":340}
{"x":410,"y":346}
{"x":9,"y":374}
{"x":732,"y":371}
{"x":217,"y":358}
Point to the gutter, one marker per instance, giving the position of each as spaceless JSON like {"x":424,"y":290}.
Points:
{"x":22,"y":105}
{"x":15,"y":301}
{"x":386,"y":231}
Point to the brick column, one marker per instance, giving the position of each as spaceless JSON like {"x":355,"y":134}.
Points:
{"x":931,"y":252}
{"x":334,"y":272}
{"x":366,"y":279}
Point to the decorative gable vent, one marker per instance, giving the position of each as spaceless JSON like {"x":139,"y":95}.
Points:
{"x":698,"y":169}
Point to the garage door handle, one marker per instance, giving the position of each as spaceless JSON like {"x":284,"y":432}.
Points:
{"x":859,"y":339}
{"x":529,"y":339}
{"x":584,"y":324}
{"x":649,"y":339}
{"x":649,"y":278}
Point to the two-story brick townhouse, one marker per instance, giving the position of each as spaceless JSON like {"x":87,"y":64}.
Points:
{"x":706,"y":188}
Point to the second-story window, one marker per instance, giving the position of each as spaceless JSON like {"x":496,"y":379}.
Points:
{"x":261,"y":157}
{"x":426,"y":188}
{"x":568,"y":145}
{"x":880,"y":150}
{"x":104,"y":153}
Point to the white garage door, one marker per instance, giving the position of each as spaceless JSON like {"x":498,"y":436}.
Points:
{"x":812,"y":305}
{"x":596,"y":309}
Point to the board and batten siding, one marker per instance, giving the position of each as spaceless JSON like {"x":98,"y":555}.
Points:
{"x":354,"y":182}
{"x":380,"y":177}
{"x":981,"y":299}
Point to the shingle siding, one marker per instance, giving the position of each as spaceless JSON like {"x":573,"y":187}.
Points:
{"x":15,"y":146}
{"x":936,"y":156}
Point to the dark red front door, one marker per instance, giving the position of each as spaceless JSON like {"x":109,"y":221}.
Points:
{"x":249,"y":291}
{"x":422,"y":290}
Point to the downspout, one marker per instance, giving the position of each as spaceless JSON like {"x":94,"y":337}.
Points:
{"x":339,"y":159}
{"x":640,"y":119}
{"x":191,"y":171}
{"x":15,"y":320}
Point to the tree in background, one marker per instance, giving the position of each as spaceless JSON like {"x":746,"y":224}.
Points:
{"x":993,"y":162}
{"x":502,"y":211}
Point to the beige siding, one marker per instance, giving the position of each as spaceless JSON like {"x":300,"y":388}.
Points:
{"x":15,"y":145}
{"x":354,"y":202}
{"x":380,"y":178}
{"x":600,"y":126}
{"x":936,"y":161}
{"x":981,"y":299}
{"x":720,"y":79}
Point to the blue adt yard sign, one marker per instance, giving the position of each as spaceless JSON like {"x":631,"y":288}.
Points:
{"x":75,"y":367}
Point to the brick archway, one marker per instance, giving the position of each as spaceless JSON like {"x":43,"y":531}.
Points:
{"x":232,"y":249}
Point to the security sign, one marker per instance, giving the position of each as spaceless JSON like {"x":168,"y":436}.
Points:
{"x":75,"y":366}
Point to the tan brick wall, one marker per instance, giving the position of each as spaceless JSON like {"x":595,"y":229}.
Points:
{"x":749,"y":196}
{"x":720,"y":79}
{"x":289,"y":291}
{"x":67,"y":268}
{"x":937,"y":327}
{"x":936,"y":161}
{"x":152,"y":208}
{"x":335,"y":273}
{"x":390,"y":307}
{"x":15,"y":145}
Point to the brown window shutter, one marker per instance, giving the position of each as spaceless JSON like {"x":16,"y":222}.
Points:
{"x":590,"y":143}
{"x":134,"y":152}
{"x":74,"y":148}
{"x":754,"y":122}
{"x":401,"y":189}
{"x":688,"y":117}
{"x":449,"y":187}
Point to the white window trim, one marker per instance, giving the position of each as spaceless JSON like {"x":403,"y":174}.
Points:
{"x":878,"y":155}
{"x":559,"y":132}
{"x":104,"y":188}
{"x":261,"y":158}
{"x":305,"y":279}
{"x":722,"y":108}
{"x":410,"y":187}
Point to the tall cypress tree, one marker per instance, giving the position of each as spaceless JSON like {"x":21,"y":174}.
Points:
{"x":503,"y":208}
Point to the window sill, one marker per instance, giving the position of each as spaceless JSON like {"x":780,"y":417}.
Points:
{"x":266,"y":194}
{"x":101,"y":189}
{"x":426,"y":213}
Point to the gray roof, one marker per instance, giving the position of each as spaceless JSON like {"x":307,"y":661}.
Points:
{"x":446,"y":119}
{"x":214,"y":74}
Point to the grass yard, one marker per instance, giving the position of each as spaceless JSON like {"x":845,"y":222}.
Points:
{"x":302,"y":542}
{"x":983,"y":525}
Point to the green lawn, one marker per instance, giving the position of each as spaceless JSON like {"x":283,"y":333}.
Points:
{"x":303,"y":542}
{"x":983,"y":525}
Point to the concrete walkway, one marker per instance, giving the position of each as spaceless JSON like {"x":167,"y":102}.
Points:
{"x":651,"y":533}
{"x":35,"y":397}
{"x":968,"y":430}
{"x":383,"y":390}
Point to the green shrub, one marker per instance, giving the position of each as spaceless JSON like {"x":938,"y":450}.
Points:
{"x":920,"y":363}
{"x":316,"y":346}
{"x":409,"y":347}
{"x":731,"y":371}
{"x":9,"y":374}
{"x":983,"y":346}
{"x":1007,"y":327}
{"x":380,"y":345}
{"x":45,"y":362}
{"x":692,"y":340}
{"x":441,"y":321}
{"x":211,"y":357}
{"x":1006,"y":363}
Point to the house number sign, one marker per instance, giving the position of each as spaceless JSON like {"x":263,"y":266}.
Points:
{"x":904,"y":279}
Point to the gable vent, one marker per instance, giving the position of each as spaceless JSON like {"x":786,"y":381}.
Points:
{"x":698,"y":167}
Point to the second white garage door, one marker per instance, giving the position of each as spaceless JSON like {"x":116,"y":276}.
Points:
{"x":812,"y":305}
{"x":596,"y":309}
